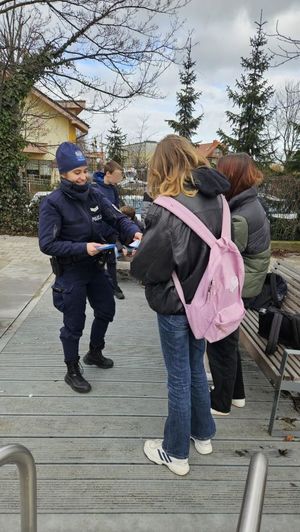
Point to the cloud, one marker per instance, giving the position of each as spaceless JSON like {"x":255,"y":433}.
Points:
{"x":221,"y":31}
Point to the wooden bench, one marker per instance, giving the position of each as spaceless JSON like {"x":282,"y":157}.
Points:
{"x":283,"y":367}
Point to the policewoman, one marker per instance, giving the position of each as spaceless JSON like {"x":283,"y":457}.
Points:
{"x":70,"y":231}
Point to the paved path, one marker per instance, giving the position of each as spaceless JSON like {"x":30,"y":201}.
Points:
{"x":23,"y":271}
{"x":92,"y":474}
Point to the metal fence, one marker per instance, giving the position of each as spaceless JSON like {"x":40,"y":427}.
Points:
{"x":22,"y":457}
{"x":131,"y":193}
{"x":252,"y":506}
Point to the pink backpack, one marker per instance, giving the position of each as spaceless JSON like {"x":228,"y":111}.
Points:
{"x":217,"y":307}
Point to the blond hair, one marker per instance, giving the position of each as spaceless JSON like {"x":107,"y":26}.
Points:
{"x":171,"y":166}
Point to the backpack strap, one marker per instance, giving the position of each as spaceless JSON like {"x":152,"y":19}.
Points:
{"x":273,"y":286}
{"x":178,"y":288}
{"x":188,"y":217}
{"x":226,"y":222}
{"x":296,"y":331}
{"x":274,"y":333}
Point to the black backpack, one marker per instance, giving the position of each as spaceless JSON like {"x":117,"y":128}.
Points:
{"x":273,"y":293}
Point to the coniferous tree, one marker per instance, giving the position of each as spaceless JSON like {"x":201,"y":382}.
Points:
{"x":253,"y":94}
{"x":186,"y":125}
{"x":115,"y":143}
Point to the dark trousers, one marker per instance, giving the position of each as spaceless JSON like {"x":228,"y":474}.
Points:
{"x":78,"y":283}
{"x":111,"y":266}
{"x":226,"y":369}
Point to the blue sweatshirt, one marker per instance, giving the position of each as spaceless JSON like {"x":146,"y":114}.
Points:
{"x":109,"y":191}
{"x":111,"y":194}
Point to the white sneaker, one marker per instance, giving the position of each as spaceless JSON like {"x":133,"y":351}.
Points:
{"x":154,"y":451}
{"x":202,"y":446}
{"x":240,"y":403}
{"x":217,"y":413}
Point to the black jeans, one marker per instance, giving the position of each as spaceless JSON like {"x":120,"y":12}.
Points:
{"x":226,"y":369}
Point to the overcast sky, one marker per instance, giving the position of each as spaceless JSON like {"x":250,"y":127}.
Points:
{"x":222,"y":30}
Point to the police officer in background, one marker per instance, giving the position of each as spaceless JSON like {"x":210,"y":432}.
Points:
{"x":70,"y":231}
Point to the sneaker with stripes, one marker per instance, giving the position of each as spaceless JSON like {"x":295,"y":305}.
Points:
{"x":154,"y":451}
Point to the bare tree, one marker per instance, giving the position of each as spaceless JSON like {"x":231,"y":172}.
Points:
{"x":288,"y":47}
{"x":110,"y":50}
{"x":284,"y":125}
{"x":137,"y":155}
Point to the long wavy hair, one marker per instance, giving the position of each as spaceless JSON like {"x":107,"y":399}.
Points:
{"x":171,"y":166}
{"x":241,"y":171}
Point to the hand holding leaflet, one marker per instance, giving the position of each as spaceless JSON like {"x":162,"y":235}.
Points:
{"x":135,"y":244}
{"x":106,"y":247}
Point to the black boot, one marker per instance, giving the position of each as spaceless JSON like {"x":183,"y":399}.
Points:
{"x":94,"y":357}
{"x":118,"y":293}
{"x":75,"y":379}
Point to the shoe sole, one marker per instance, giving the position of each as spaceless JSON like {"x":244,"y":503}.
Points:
{"x":77,"y":389}
{"x":217,"y":413}
{"x":160,"y":462}
{"x":238,"y":404}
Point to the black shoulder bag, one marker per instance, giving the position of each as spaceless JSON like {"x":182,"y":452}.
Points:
{"x":272,"y":294}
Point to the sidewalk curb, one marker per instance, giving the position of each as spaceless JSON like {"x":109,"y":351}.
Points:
{"x":17,"y":322}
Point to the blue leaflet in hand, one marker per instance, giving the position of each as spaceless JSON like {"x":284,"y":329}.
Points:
{"x":135,"y":244}
{"x":105,"y":247}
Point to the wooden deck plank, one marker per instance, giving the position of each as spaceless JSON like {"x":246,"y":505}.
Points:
{"x":132,"y":471}
{"x":159,"y":522}
{"x":115,"y":452}
{"x":150,"y":496}
{"x":114,"y":406}
{"x":249,"y":429}
{"x":258,"y":391}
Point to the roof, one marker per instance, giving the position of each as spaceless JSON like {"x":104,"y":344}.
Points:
{"x":208,"y":149}
{"x":36,"y":148}
{"x":75,"y":106}
{"x":80,"y":124}
{"x":142,"y":143}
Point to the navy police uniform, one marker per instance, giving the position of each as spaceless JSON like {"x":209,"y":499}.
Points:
{"x":70,"y":217}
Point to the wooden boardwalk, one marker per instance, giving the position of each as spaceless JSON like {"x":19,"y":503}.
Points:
{"x":92,"y":474}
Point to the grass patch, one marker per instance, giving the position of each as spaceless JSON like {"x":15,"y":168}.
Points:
{"x":285,"y":245}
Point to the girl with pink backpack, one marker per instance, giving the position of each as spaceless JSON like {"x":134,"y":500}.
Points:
{"x":173,"y":256}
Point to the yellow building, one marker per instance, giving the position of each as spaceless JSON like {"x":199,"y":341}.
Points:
{"x":48,"y":123}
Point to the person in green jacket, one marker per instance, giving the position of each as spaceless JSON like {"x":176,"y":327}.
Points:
{"x":251,"y":234}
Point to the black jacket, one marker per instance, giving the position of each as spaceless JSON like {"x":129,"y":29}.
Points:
{"x":169,"y":244}
{"x":251,"y":231}
{"x":70,"y":217}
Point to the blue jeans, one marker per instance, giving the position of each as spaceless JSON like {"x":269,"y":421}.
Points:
{"x":188,"y":393}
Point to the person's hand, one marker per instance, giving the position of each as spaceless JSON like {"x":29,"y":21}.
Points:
{"x":91,"y":248}
{"x":138,"y":236}
{"x":125,"y":252}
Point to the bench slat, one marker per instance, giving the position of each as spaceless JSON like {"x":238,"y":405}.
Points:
{"x":253,"y":319}
{"x":282,"y":266}
{"x":293,"y":364}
